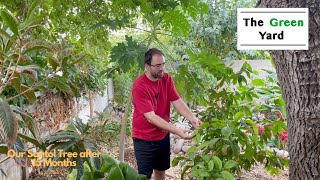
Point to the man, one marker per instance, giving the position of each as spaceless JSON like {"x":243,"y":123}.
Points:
{"x":152,"y":93}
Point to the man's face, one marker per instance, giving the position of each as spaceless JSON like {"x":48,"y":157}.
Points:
{"x":156,"y":68}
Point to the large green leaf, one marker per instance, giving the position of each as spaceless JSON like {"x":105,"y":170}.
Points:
{"x":65,"y":146}
{"x":217,"y":162}
{"x":3,"y":32}
{"x":129,"y":173}
{"x":15,"y":81}
{"x":258,"y":82}
{"x":230,"y":164}
{"x":32,"y":8}
{"x":227,"y":175}
{"x":128,"y":54}
{"x":35,"y":48}
{"x":177,"y":22}
{"x":10,"y":21}
{"x":33,"y":141}
{"x":28,"y":93}
{"x":29,"y":122}
{"x":62,"y":136}
{"x":61,"y":84}
{"x":111,"y":166}
{"x":94,"y":160}
{"x":8,"y":122}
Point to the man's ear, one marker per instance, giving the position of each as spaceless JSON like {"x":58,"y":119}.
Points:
{"x":146,"y":66}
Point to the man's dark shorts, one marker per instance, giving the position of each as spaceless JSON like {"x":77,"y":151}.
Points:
{"x":152,"y":155}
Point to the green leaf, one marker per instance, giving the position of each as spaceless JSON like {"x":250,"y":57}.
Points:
{"x":8,"y":122}
{"x":227,"y":175}
{"x":217,"y":162}
{"x":3,"y":32}
{"x":61,"y":85}
{"x":226,"y":131}
{"x":98,"y":175}
{"x":184,"y":170}
{"x":254,"y":126}
{"x":197,"y":139}
{"x":35,"y":48}
{"x":128,"y":54}
{"x":15,"y":81}
{"x":204,"y":144}
{"x":53,"y":63}
{"x":230,"y":164}
{"x":214,"y":141}
{"x":258,"y":82}
{"x":62,"y":135}
{"x":238,"y":116}
{"x":10,"y":21}
{"x":191,"y":151}
{"x":31,"y":8}
{"x":33,"y":141}
{"x":176,"y":160}
{"x":129,"y":173}
{"x":111,"y":166}
{"x":249,"y":152}
{"x":32,"y":23}
{"x":29,"y":122}
{"x":65,"y":146}
{"x":29,"y":94}
{"x":79,"y":167}
{"x":210,"y":165}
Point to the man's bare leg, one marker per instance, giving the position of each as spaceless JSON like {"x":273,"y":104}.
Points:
{"x":159,"y":175}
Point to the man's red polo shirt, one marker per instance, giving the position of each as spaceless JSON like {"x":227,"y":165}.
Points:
{"x":152,"y":96}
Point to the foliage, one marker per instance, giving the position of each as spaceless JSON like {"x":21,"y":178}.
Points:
{"x":122,"y":85}
{"x":103,"y":129}
{"x":215,"y":32}
{"x":67,"y":49}
{"x":229,"y":139}
{"x":77,"y":137}
{"x":114,"y":169}
{"x":8,"y":123}
{"x":30,"y":63}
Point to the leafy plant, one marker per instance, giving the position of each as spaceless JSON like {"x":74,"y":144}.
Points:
{"x":75,"y":139}
{"x":112,"y":169}
{"x":229,"y":140}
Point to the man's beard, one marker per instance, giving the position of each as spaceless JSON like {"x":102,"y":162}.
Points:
{"x":157,"y":75}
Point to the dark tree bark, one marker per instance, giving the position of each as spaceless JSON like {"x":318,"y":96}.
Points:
{"x":299,"y":76}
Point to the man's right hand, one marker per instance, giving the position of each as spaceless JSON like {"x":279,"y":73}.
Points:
{"x":183,"y":133}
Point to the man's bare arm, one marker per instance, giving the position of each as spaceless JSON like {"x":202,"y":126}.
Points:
{"x":161,"y":123}
{"x":186,"y":112}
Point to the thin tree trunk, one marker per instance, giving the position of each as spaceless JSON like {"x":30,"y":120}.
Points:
{"x":123,"y":127}
{"x":299,"y":76}
{"x":91,"y":104}
{"x":124,"y":124}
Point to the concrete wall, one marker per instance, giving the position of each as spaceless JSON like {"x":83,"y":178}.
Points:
{"x":100,"y":102}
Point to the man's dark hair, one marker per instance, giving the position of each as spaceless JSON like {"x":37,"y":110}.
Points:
{"x":148,"y":55}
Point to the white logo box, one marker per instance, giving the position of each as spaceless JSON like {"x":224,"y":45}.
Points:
{"x":282,"y":29}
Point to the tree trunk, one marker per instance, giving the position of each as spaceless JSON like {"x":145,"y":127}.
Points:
{"x":91,"y":104}
{"x":299,"y":76}
{"x":123,"y":128}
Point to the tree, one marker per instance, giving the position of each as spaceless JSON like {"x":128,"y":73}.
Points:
{"x":298,"y":73}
